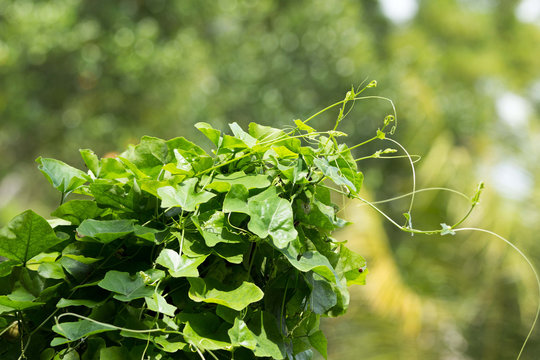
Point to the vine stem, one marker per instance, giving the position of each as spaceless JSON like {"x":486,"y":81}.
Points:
{"x":409,"y":219}
{"x":531,"y":267}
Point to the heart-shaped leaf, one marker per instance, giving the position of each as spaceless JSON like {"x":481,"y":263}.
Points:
{"x":126,"y":287}
{"x":25,"y":236}
{"x":272,"y":215}
{"x":105,"y":230}
{"x":236,"y":298}
{"x":183,"y":195}
{"x":63,"y":177}
{"x":179,"y":266}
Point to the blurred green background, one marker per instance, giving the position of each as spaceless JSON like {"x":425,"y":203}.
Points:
{"x":465,"y":78}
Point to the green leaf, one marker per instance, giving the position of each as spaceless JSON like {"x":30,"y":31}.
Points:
{"x":76,"y":211}
{"x":352,"y":266}
{"x":282,"y":152}
{"x":50,"y":292}
{"x":91,"y":160}
{"x":151,"y":276}
{"x":21,"y":293}
{"x":296,"y":172}
{"x":12,"y":305}
{"x":211,"y":133}
{"x":158,"y":304}
{"x":120,"y":196}
{"x":301,"y":126}
{"x":75,"y":267}
{"x":105,"y":230}
{"x":146,"y":233}
{"x":62,"y":303}
{"x":47,"y":354}
{"x":25,"y":236}
{"x":6,"y":267}
{"x":193,"y":154}
{"x":333,"y":173}
{"x":227,"y":314}
{"x":168,"y":344}
{"x":205,"y":331}
{"x":179,"y":266}
{"x":51,"y":270}
{"x":182,"y":163}
{"x":322,"y":297}
{"x":269,"y":341}
{"x":78,"y":329}
{"x":249,"y":140}
{"x":230,"y":143}
{"x":223,"y":183}
{"x":272,"y":215}
{"x":265,"y":133}
{"x":233,"y":253}
{"x":240,"y":335}
{"x":67,"y":354}
{"x":236,"y":298}
{"x":318,"y":341}
{"x":33,"y":263}
{"x":148,"y":156}
{"x":63,"y":177}
{"x":114,"y":353}
{"x":132,"y":169}
{"x":236,"y":199}
{"x":127,"y":287}
{"x":215,"y":229}
{"x":310,"y":261}
{"x":317,"y":214}
{"x":183,"y":195}
{"x":112,"y":168}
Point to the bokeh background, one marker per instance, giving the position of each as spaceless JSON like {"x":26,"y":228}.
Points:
{"x":465,"y":78}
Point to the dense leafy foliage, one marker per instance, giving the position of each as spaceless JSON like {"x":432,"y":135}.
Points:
{"x":99,"y":74}
{"x":169,"y":252}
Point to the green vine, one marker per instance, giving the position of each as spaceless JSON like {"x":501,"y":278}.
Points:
{"x":169,"y":252}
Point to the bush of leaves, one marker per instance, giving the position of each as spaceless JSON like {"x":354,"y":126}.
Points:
{"x":169,"y":252}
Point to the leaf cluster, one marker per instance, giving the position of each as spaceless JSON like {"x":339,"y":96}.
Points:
{"x":170,"y":252}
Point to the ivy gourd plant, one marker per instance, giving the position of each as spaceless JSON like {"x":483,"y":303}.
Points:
{"x":169,"y":252}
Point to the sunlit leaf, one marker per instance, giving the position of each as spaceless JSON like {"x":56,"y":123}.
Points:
{"x":352,"y":266}
{"x":105,"y":230}
{"x":269,"y":342}
{"x":76,"y":211}
{"x":304,"y":127}
{"x":179,"y":266}
{"x":126,"y":287}
{"x":241,"y":335}
{"x":62,"y":303}
{"x":158,"y":304}
{"x":25,"y":236}
{"x":272,"y":216}
{"x":236,"y":298}
{"x":12,"y":305}
{"x":209,"y":132}
{"x":236,"y":199}
{"x":205,"y":330}
{"x":318,"y":341}
{"x":183,"y":195}
{"x":214,"y":228}
{"x":63,"y":177}
{"x":249,"y":140}
{"x":223,"y":183}
{"x":333,"y":173}
{"x":79,"y":329}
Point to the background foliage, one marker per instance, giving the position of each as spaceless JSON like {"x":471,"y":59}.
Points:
{"x":465,"y":76}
